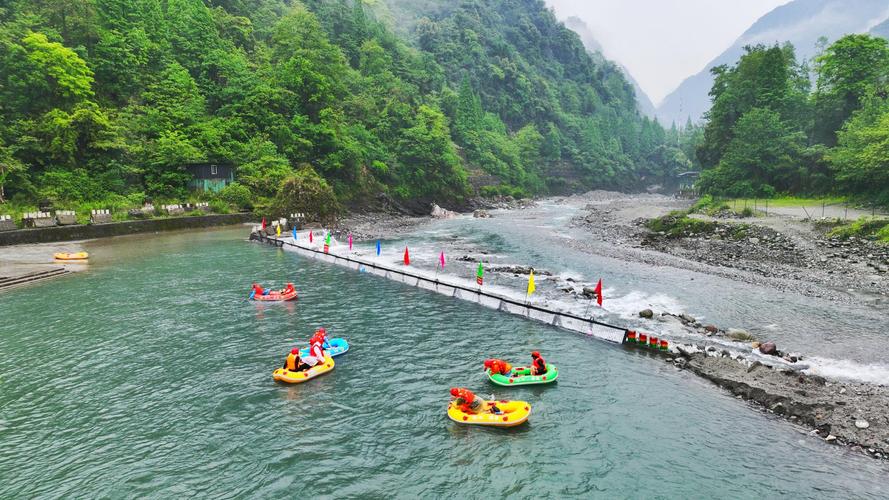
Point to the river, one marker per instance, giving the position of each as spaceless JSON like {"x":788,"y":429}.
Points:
{"x":149,"y":375}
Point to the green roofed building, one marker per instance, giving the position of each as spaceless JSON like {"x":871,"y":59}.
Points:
{"x":210,"y":176}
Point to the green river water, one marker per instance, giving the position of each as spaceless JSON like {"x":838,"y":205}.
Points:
{"x":149,"y":375}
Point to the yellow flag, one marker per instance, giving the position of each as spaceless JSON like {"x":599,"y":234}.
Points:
{"x":278,"y":230}
{"x":531,"y":286}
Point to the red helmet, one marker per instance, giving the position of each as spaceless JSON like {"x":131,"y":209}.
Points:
{"x":535,"y":354}
{"x":294,"y":351}
{"x":488,"y":363}
{"x":322,"y":331}
{"x":455,"y":392}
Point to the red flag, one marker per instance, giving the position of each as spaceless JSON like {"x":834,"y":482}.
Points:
{"x":310,"y":236}
{"x":263,"y":222}
{"x":407,"y":257}
{"x":599,"y":292}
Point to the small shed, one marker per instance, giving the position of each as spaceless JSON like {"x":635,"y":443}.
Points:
{"x":687,"y":183}
{"x":210,"y":176}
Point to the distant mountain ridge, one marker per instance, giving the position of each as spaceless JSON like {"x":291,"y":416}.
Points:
{"x":881,"y":29}
{"x":575,"y":24}
{"x":801,"y":22}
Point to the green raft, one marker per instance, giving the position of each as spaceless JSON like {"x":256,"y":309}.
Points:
{"x":522,"y":376}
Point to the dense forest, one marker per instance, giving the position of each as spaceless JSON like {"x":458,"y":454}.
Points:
{"x":105,"y":101}
{"x":778,"y":125}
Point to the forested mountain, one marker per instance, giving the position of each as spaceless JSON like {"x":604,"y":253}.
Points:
{"x":643,"y":102}
{"x":800,"y":22}
{"x":106,"y":100}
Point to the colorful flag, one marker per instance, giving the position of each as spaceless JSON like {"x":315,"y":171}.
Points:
{"x":407,"y":257}
{"x":350,"y":242}
{"x":294,"y":234}
{"x":599,"y":292}
{"x":278,"y":230}
{"x":311,"y":239}
{"x":327,"y":243}
{"x":263,"y":223}
{"x":480,"y":274}
{"x":441,"y":261}
{"x":379,"y":248}
{"x":531,"y":286}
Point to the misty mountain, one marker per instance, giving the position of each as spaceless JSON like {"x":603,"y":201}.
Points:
{"x":881,"y":29}
{"x":577,"y":25}
{"x":801,"y":22}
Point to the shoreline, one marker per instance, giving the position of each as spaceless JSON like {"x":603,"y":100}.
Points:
{"x":58,"y":234}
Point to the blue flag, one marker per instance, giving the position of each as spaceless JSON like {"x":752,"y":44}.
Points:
{"x":294,"y":234}
{"x":378,"y":248}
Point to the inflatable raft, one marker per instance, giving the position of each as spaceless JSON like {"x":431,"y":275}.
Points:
{"x":282,"y":375}
{"x":336,"y":347}
{"x":275,"y":296}
{"x":522,"y":376}
{"x":514,"y":413}
{"x":71,"y":256}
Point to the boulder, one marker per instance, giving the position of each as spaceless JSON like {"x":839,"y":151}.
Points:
{"x":711,"y":328}
{"x":441,"y":213}
{"x":862,"y":424}
{"x":481,"y":214}
{"x":645,"y":313}
{"x":768,"y":348}
{"x":687,"y":318}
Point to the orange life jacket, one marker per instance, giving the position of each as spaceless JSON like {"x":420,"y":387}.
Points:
{"x":291,"y":362}
{"x":500,"y":366}
{"x":468,"y":397}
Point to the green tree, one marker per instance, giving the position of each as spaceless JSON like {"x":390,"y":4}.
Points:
{"x":861,"y":158}
{"x":762,"y":158}
{"x":847,"y":71}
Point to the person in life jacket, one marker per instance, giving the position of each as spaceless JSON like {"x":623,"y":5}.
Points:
{"x":288,"y":289}
{"x":498,"y":366}
{"x":538,"y":365}
{"x":257,"y":289}
{"x":293,"y":362}
{"x":316,"y":351}
{"x":321,"y":334}
{"x":468,"y":402}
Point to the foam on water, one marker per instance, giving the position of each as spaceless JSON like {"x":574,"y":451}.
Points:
{"x":844,"y":369}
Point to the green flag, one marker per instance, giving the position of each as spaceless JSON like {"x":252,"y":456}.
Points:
{"x":480,"y":274}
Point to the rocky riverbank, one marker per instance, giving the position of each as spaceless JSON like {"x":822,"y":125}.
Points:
{"x":775,"y":251}
{"x":840,"y":413}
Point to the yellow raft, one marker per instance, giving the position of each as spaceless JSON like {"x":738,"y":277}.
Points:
{"x":71,"y":256}
{"x":282,"y":375}
{"x":514,"y":413}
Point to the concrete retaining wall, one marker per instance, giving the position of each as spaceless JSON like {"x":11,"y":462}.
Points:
{"x":70,"y":233}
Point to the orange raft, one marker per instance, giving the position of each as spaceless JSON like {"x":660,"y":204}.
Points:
{"x":276,"y":296}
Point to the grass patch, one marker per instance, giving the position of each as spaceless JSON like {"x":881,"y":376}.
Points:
{"x":871,"y":228}
{"x":784,"y":201}
{"x":677,"y":223}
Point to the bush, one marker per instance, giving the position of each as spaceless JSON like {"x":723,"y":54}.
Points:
{"x":308,"y":193}
{"x":237,"y":195}
{"x":219,"y":207}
